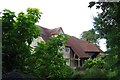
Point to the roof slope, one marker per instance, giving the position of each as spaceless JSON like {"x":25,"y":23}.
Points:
{"x":86,"y":46}
{"x":47,"y":33}
{"x":74,"y":44}
{"x":80,"y":47}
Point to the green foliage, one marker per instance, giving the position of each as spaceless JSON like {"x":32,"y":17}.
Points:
{"x":76,"y":75}
{"x":97,"y":67}
{"x":107,"y":24}
{"x":94,"y":73}
{"x":17,"y":35}
{"x":90,"y":36}
{"x":97,"y":62}
{"x":111,"y":61}
{"x":18,"y":32}
{"x":48,"y":61}
{"x":111,"y":74}
{"x":100,"y":68}
{"x":97,"y":73}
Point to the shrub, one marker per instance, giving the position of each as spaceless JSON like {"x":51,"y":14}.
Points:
{"x":94,"y":73}
{"x":98,"y":62}
{"x":100,"y":68}
{"x":48,"y":61}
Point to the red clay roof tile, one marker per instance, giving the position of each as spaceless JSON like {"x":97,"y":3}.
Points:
{"x":79,"y":46}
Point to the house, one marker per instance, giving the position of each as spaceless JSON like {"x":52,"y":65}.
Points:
{"x":75,"y":52}
{"x":78,"y":51}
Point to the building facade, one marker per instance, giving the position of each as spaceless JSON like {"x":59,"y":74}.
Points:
{"x":75,"y":52}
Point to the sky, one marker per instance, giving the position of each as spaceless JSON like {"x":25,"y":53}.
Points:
{"x":73,"y":16}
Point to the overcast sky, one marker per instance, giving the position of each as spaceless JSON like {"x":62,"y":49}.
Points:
{"x":73,"y":16}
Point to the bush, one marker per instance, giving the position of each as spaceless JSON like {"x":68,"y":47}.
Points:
{"x":98,"y":62}
{"x":94,"y":73}
{"x":47,"y":61}
{"x":76,"y":75}
{"x":112,"y":74}
{"x":100,"y":68}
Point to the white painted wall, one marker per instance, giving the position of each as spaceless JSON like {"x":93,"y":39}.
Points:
{"x":61,"y":32}
{"x":66,"y":52}
{"x":34,"y":43}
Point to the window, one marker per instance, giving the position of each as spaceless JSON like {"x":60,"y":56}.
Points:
{"x":67,"y":49}
{"x":90,"y":53}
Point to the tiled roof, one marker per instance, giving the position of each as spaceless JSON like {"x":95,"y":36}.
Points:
{"x":47,"y":33}
{"x":54,"y":31}
{"x":73,"y":43}
{"x":80,"y":47}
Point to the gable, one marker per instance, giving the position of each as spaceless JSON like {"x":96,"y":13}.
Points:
{"x":81,"y":47}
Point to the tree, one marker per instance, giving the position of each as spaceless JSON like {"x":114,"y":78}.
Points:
{"x":90,"y":36}
{"x":100,"y":68}
{"x":17,"y":35}
{"x":18,"y":32}
{"x":107,"y":25}
{"x":48,"y":61}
